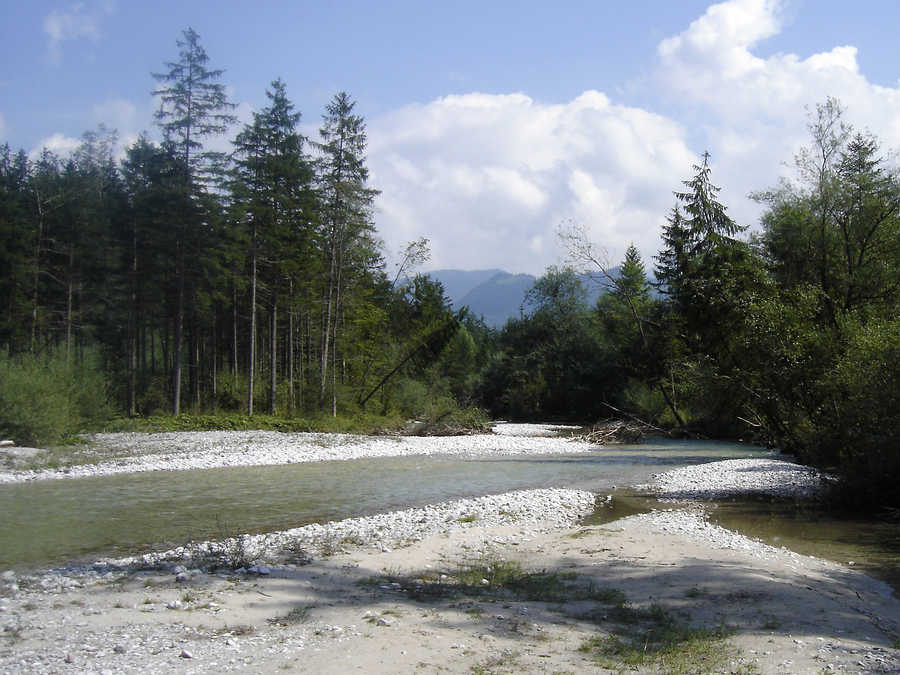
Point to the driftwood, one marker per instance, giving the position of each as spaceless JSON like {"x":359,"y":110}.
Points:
{"x":618,"y":431}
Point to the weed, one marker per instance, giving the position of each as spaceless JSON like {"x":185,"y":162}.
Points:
{"x":744,"y":596}
{"x":468,"y":518}
{"x":147,"y":601}
{"x":772,"y":623}
{"x":241,"y":629}
{"x":695,"y":593}
{"x":188,"y":596}
{"x":13,"y":633}
{"x":293,"y":617}
{"x":656,"y":640}
{"x":29,"y":606}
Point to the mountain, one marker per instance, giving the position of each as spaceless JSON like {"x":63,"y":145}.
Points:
{"x":498,"y":299}
{"x":495,"y":295}
{"x":457,"y":283}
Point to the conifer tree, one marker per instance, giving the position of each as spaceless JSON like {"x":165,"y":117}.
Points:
{"x":347,"y":220}
{"x":193,"y":107}
{"x":272,"y":192}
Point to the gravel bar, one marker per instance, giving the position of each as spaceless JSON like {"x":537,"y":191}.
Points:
{"x":540,"y":509}
{"x":179,"y":451}
{"x":734,"y":477}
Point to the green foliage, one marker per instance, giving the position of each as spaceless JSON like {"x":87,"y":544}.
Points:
{"x":321,"y":422}
{"x":45,"y":399}
{"x":551,"y":363}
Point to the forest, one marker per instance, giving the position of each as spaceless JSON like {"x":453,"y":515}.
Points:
{"x":249,"y":288}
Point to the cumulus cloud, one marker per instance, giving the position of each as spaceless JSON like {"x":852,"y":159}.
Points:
{"x":75,"y":21}
{"x":488,"y":178}
{"x":755,"y":110}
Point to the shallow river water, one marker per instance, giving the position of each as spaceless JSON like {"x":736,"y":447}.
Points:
{"x":46,"y":522}
{"x":57,"y":521}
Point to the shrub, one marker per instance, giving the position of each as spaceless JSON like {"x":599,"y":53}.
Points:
{"x":44,"y":399}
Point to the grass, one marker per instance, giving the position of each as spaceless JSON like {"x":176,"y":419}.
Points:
{"x":361,"y":424}
{"x":469,"y":518}
{"x":492,"y":577}
{"x":656,"y":640}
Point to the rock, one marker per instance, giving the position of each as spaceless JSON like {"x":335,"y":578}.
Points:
{"x":179,"y":569}
{"x":120,"y":649}
{"x":384,"y":621}
{"x":181,"y":577}
{"x":185,"y":654}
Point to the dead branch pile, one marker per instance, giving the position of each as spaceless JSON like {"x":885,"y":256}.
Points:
{"x":619,"y":431}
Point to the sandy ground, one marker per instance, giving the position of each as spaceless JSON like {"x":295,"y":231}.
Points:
{"x":369,"y":611}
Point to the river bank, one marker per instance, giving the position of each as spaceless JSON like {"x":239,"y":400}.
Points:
{"x":119,"y":453}
{"x":507,"y":583}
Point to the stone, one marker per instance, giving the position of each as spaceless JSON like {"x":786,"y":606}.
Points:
{"x":185,"y":654}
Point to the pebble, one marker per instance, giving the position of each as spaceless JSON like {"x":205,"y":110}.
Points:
{"x":727,"y":478}
{"x":178,"y":451}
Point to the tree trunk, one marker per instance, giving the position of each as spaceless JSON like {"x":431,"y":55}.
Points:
{"x":132,"y":328}
{"x":251,"y":365}
{"x":273,"y":356}
{"x":39,"y":243}
{"x":234,"y":335}
{"x":179,"y":329}
{"x":290,"y":351}
{"x":70,"y":296}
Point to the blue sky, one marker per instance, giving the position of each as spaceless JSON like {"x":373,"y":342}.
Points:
{"x":490,"y":123}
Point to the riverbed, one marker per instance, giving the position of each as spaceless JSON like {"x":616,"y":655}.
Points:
{"x":112,"y":513}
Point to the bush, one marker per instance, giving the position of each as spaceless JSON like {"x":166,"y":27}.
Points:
{"x":45,"y":399}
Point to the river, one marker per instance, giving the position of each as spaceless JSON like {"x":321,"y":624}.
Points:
{"x":79,"y":520}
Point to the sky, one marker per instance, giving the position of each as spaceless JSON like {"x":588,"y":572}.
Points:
{"x":490,"y":124}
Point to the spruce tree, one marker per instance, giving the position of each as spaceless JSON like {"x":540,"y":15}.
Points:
{"x":348,"y":236}
{"x":193,"y":107}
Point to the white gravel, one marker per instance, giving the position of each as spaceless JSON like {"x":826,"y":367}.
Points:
{"x":548,"y":508}
{"x":693,"y":524}
{"x":138,"y":452}
{"x":732,"y":477}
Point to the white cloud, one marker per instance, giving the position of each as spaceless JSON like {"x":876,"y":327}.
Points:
{"x":489,"y":178}
{"x":78,"y":20}
{"x":755,"y":110}
{"x":57,"y":143}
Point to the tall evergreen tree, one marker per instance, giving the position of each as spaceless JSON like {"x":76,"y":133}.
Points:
{"x":193,"y":107}
{"x":273,"y":195}
{"x":348,"y":235}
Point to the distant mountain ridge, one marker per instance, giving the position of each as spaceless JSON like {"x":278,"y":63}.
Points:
{"x":495,"y":295}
